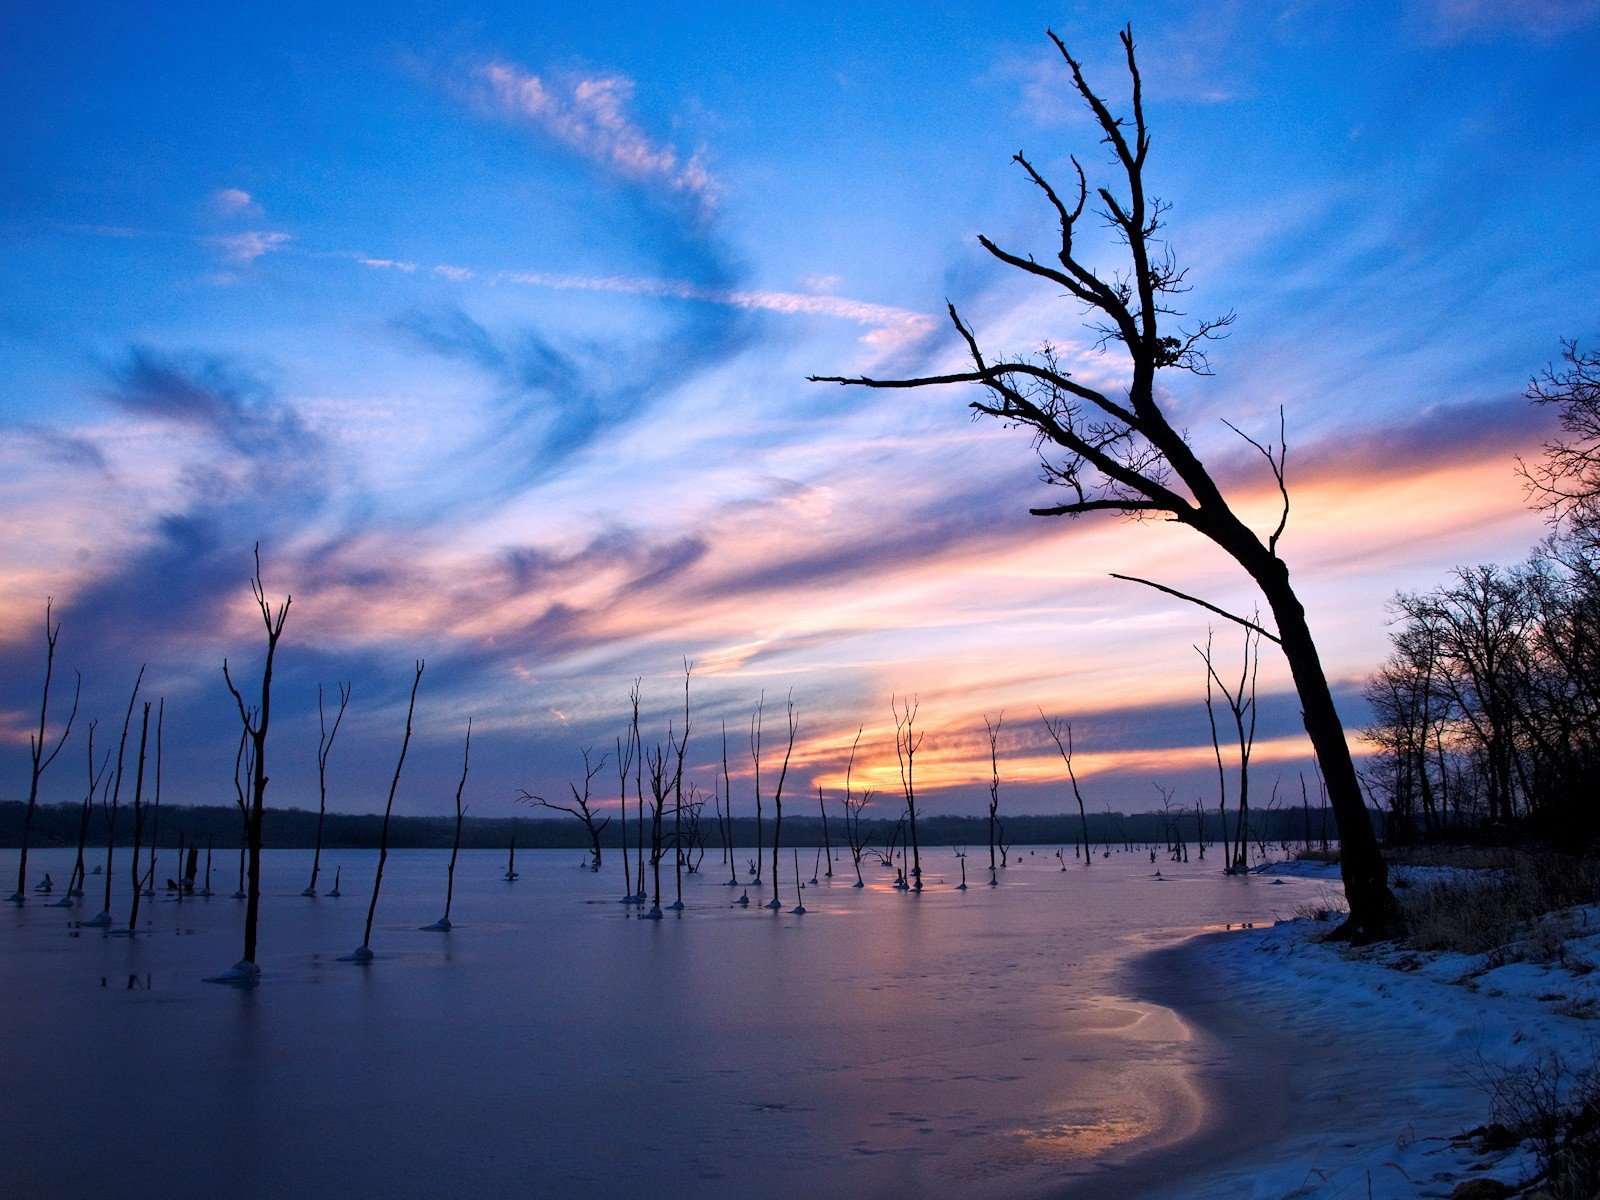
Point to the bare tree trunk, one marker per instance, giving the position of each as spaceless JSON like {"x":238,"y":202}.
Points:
{"x":755,"y":758}
{"x":40,"y":757}
{"x":256,"y":723}
{"x":325,"y":738}
{"x":363,"y":953}
{"x":1121,"y":453}
{"x":443,"y":923}
{"x":777,"y":808}
{"x":75,"y":885}
{"x":138,"y":822}
{"x":994,"y":789}
{"x":110,"y":809}
{"x":906,"y":742}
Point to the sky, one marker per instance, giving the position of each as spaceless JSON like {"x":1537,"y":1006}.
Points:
{"x":491,"y":324}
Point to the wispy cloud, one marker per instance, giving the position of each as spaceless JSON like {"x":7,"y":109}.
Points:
{"x":891,"y":323}
{"x":590,"y":115}
{"x":232,"y":202}
{"x":245,"y":248}
{"x":890,"y":326}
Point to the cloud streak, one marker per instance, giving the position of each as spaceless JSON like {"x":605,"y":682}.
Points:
{"x":590,"y":114}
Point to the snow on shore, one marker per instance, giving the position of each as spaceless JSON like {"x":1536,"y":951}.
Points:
{"x":1390,"y":1049}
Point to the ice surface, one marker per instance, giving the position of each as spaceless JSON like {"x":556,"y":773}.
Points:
{"x":942,"y":1044}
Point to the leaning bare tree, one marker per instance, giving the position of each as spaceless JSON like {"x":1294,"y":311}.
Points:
{"x":1122,"y":454}
{"x":363,"y":953}
{"x":442,"y":925}
{"x":40,"y":755}
{"x":777,"y":803}
{"x":1061,"y":734}
{"x":255,"y":722}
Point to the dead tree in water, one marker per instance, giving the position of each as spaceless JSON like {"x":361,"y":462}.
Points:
{"x":363,"y":952}
{"x":727,"y":803}
{"x":325,"y":736}
{"x":40,"y":758}
{"x":1241,"y":701}
{"x":853,"y":806}
{"x":777,"y":804}
{"x":660,"y":787}
{"x":579,"y":807}
{"x":1122,"y":454}
{"x":155,"y":809}
{"x":256,"y":722}
{"x":827,"y":843}
{"x":442,"y":925}
{"x":1061,"y":733}
{"x":755,"y":758}
{"x":638,"y":786}
{"x":138,"y":823}
{"x":242,"y":769}
{"x":96,"y":777}
{"x":677,"y":795}
{"x":906,"y":743}
{"x":108,"y":805}
{"x":994,"y":789}
{"x":624,"y":762}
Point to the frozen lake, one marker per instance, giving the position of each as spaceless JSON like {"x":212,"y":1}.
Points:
{"x":952,"y":1044}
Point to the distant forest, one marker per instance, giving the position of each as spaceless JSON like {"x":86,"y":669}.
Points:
{"x":294,"y":828}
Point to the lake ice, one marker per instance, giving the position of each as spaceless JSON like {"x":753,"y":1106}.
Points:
{"x":970,"y":1044}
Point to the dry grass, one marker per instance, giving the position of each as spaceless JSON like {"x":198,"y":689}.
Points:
{"x":1500,"y":908}
{"x":1554,"y":1105}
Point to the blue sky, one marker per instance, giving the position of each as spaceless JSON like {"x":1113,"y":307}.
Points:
{"x":492,"y":325}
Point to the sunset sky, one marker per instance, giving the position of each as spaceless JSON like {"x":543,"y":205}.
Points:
{"x":492,"y":324}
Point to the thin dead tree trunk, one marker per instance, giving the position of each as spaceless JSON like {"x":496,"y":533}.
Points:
{"x":994,"y":789}
{"x":777,"y":805}
{"x":155,"y":810}
{"x":853,"y":806}
{"x":109,"y":809}
{"x":442,"y":925}
{"x":1122,"y":454}
{"x":39,"y":756}
{"x":656,"y":760}
{"x":827,"y":845}
{"x":325,"y":736}
{"x":1061,"y":733}
{"x":906,"y":743}
{"x":242,"y":768}
{"x":624,"y":765}
{"x":638,"y":787}
{"x":256,"y":722}
{"x":75,"y":885}
{"x":1241,"y":702}
{"x":677,"y":795}
{"x":727,"y":800}
{"x":755,"y":758}
{"x":138,"y":823}
{"x":363,"y":953}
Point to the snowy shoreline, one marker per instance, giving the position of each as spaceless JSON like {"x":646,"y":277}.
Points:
{"x":1327,"y":1070}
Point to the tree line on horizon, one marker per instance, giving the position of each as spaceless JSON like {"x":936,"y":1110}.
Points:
{"x":1486,"y":715}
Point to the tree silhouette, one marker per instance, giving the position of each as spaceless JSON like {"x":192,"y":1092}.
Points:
{"x":1123,"y":455}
